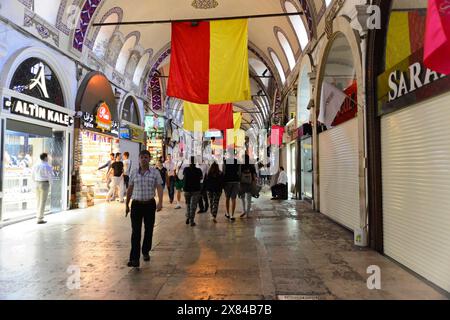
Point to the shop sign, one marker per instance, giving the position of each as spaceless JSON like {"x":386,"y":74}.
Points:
{"x":103,"y":117}
{"x":407,"y":83}
{"x":133,"y":133}
{"x":89,"y":121}
{"x":38,"y":112}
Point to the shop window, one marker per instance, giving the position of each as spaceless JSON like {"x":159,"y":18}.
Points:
{"x":36,"y":79}
{"x":23,"y":146}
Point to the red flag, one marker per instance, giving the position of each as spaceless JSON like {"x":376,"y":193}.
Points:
{"x":437,"y":36}
{"x":276,"y":136}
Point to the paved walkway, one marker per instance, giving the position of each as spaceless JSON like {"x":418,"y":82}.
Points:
{"x":284,"y":251}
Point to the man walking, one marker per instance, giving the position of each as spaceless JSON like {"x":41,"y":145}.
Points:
{"x":144,"y":183}
{"x":108,"y":164}
{"x":117,"y":179}
{"x":192,"y":190}
{"x":42,"y":175}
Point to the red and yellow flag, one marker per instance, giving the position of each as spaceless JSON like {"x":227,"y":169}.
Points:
{"x":209,"y":62}
{"x":198,"y":117}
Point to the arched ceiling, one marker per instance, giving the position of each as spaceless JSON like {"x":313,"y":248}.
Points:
{"x":155,"y":38}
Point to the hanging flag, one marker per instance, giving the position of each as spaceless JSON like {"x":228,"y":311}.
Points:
{"x":207,"y":117}
{"x":209,"y":62}
{"x":276,"y":135}
{"x":437,"y":36}
{"x":235,"y":135}
{"x":330,"y":104}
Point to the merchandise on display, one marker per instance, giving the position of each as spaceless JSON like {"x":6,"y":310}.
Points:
{"x":96,"y":151}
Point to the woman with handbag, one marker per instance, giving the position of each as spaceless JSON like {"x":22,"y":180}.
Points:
{"x":248,"y":182}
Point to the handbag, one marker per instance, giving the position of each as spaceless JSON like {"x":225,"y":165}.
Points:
{"x":255,"y":190}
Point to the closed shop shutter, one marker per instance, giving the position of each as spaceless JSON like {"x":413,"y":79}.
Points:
{"x":338,"y":174}
{"x":416,"y":188}
{"x":133,"y":149}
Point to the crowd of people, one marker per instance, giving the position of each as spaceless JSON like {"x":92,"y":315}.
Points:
{"x":201,"y":183}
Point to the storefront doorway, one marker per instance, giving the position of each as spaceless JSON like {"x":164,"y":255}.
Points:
{"x":22,"y":151}
{"x":34,"y":121}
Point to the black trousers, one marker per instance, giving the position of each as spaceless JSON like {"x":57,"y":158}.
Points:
{"x":203,"y":202}
{"x":139,"y":213}
{"x":280,"y":191}
{"x":171,"y":188}
{"x":126,"y":180}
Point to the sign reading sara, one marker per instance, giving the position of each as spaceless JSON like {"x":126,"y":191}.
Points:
{"x":35,"y":111}
{"x":402,"y":83}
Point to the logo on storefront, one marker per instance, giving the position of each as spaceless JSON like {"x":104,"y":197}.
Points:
{"x":35,"y":111}
{"x":104,"y":117}
{"x":39,"y":81}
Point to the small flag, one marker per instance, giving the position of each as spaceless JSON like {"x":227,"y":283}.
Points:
{"x":198,"y":117}
{"x":437,"y":37}
{"x":276,"y":135}
{"x":331,"y":102}
{"x":209,"y":62}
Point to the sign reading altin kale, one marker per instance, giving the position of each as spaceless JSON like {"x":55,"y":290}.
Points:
{"x":38,"y":112}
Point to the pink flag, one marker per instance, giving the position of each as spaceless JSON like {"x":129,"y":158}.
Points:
{"x":437,"y":36}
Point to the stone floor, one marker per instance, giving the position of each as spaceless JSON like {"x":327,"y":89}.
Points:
{"x":283,"y":251}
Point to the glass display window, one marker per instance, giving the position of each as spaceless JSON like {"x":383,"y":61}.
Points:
{"x":96,"y":151}
{"x":22,"y":153}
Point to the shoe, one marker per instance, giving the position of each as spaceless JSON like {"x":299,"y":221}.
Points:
{"x":188,"y":221}
{"x":146,"y":257}
{"x":233,"y":219}
{"x":227,"y":216}
{"x":193,"y":224}
{"x":201,"y":211}
{"x":133,"y":264}
{"x":42,"y":222}
{"x":274,"y":199}
{"x":214,"y":220}
{"x":178,"y":206}
{"x":243,"y":215}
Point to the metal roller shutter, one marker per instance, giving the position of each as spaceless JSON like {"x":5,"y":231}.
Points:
{"x":338,"y":174}
{"x":416,"y":188}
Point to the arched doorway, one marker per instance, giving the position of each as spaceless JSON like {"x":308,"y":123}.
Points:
{"x":338,"y":144}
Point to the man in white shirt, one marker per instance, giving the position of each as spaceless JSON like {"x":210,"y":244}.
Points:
{"x":42,"y":176}
{"x":280,"y":189}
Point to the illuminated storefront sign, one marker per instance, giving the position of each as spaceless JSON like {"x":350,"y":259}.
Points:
{"x":103,"y":118}
{"x":38,"y":112}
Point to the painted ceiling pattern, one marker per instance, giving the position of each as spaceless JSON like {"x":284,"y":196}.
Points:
{"x":155,"y":38}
